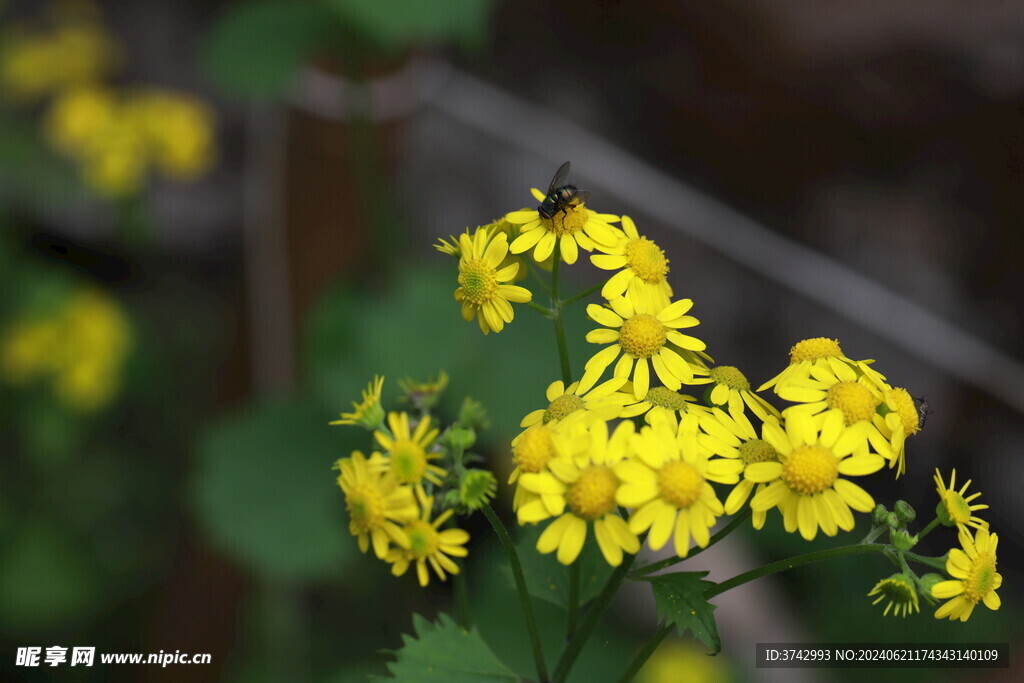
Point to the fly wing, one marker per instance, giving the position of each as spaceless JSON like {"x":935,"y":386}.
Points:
{"x":582,"y":196}
{"x":560,"y":176}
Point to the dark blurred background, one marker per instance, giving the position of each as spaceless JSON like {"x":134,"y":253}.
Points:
{"x":811,"y":169}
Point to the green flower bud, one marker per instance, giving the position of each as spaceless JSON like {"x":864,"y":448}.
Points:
{"x":901,"y":539}
{"x":904,"y":511}
{"x":477,"y":488}
{"x":892,"y":521}
{"x":459,"y":439}
{"x":879,"y":513}
{"x":928,"y":581}
{"x":473,"y":415}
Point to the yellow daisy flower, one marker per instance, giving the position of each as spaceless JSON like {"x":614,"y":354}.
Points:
{"x":975,"y":578}
{"x":806,"y":484}
{"x":903,"y":419}
{"x":603,"y":402}
{"x":732,"y":389}
{"x":482,"y":290}
{"x":573,"y":229}
{"x":956,"y":506}
{"x":376,"y":504}
{"x":821,"y":352}
{"x":532,"y":450}
{"x":659,"y":403}
{"x":667,"y":482}
{"x":588,"y":484}
{"x":643,"y":273}
{"x":368,"y":412}
{"x":452,"y":245}
{"x":639,"y":334}
{"x":429,"y":544}
{"x":408,"y":457}
{"x":901,"y":593}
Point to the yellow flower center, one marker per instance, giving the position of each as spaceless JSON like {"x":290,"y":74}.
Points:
{"x":365,"y":506}
{"x":814,"y":349}
{"x":856,"y":402}
{"x":959,"y":510}
{"x":408,"y":461}
{"x":981,"y":579}
{"x":680,"y":483}
{"x":593,"y":494}
{"x":646,"y":260}
{"x":478,"y":284}
{"x":757,"y":450}
{"x":569,"y":221}
{"x":730,"y":377}
{"x":666,"y":398}
{"x":906,"y":409}
{"x":423,"y":539}
{"x":562,"y":406}
{"x":810,"y":469}
{"x":534,"y":449}
{"x":642,"y":335}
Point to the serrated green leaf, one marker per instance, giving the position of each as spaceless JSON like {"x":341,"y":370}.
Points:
{"x":395,"y":25}
{"x":443,"y":652}
{"x":256,"y":48}
{"x":548,"y":579}
{"x":265,"y":492}
{"x":680,"y":600}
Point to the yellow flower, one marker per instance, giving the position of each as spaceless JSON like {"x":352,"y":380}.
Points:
{"x":668,"y":482}
{"x":368,"y":413}
{"x":731,"y":389}
{"x":975,"y":578}
{"x":806,"y":484}
{"x":587,"y":485}
{"x":644,"y":269}
{"x":903,"y":419}
{"x":639,"y":334}
{"x":178,"y":130}
{"x":36,"y":63}
{"x":673,"y":657}
{"x":532,"y":451}
{"x":603,"y":402}
{"x":900,"y":592}
{"x":376,"y":504}
{"x":429,"y":544}
{"x":958,"y":507}
{"x":482,"y":290}
{"x":824,"y":353}
{"x":660,"y":403}
{"x":573,"y":229}
{"x":408,"y":457}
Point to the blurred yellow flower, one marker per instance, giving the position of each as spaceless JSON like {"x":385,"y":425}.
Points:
{"x":81,"y":349}
{"x":375,"y":502}
{"x":178,"y":130}
{"x":676,"y":660}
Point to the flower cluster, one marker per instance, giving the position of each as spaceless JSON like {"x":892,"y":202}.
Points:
{"x":402,"y":497}
{"x":624,"y":456}
{"x":78,"y":350}
{"x":114,"y":136}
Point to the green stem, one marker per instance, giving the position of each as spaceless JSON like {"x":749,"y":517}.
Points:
{"x":937,"y":562}
{"x":792,"y":562}
{"x":524,"y":595}
{"x":586,"y":292}
{"x":875,"y":532}
{"x":641,"y":657}
{"x":594,"y":614}
{"x":556,"y":310}
{"x":668,"y":562}
{"x":546,"y":312}
{"x":927,"y":530}
{"x":535,"y":272}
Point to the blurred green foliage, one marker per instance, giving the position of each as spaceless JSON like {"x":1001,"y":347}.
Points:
{"x":547,"y":578}
{"x":256,"y":49}
{"x":265,"y":492}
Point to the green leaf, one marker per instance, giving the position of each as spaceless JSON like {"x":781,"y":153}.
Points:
{"x":446,"y":653}
{"x":264,"y":490}
{"x":29,"y":172}
{"x":548,"y":579}
{"x":395,"y":25}
{"x":680,"y":600}
{"x":256,"y":48}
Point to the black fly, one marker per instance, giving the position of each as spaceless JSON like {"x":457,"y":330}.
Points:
{"x":561,"y":195}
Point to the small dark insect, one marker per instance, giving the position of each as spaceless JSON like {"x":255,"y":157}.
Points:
{"x":561,"y":196}
{"x":923,"y":411}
